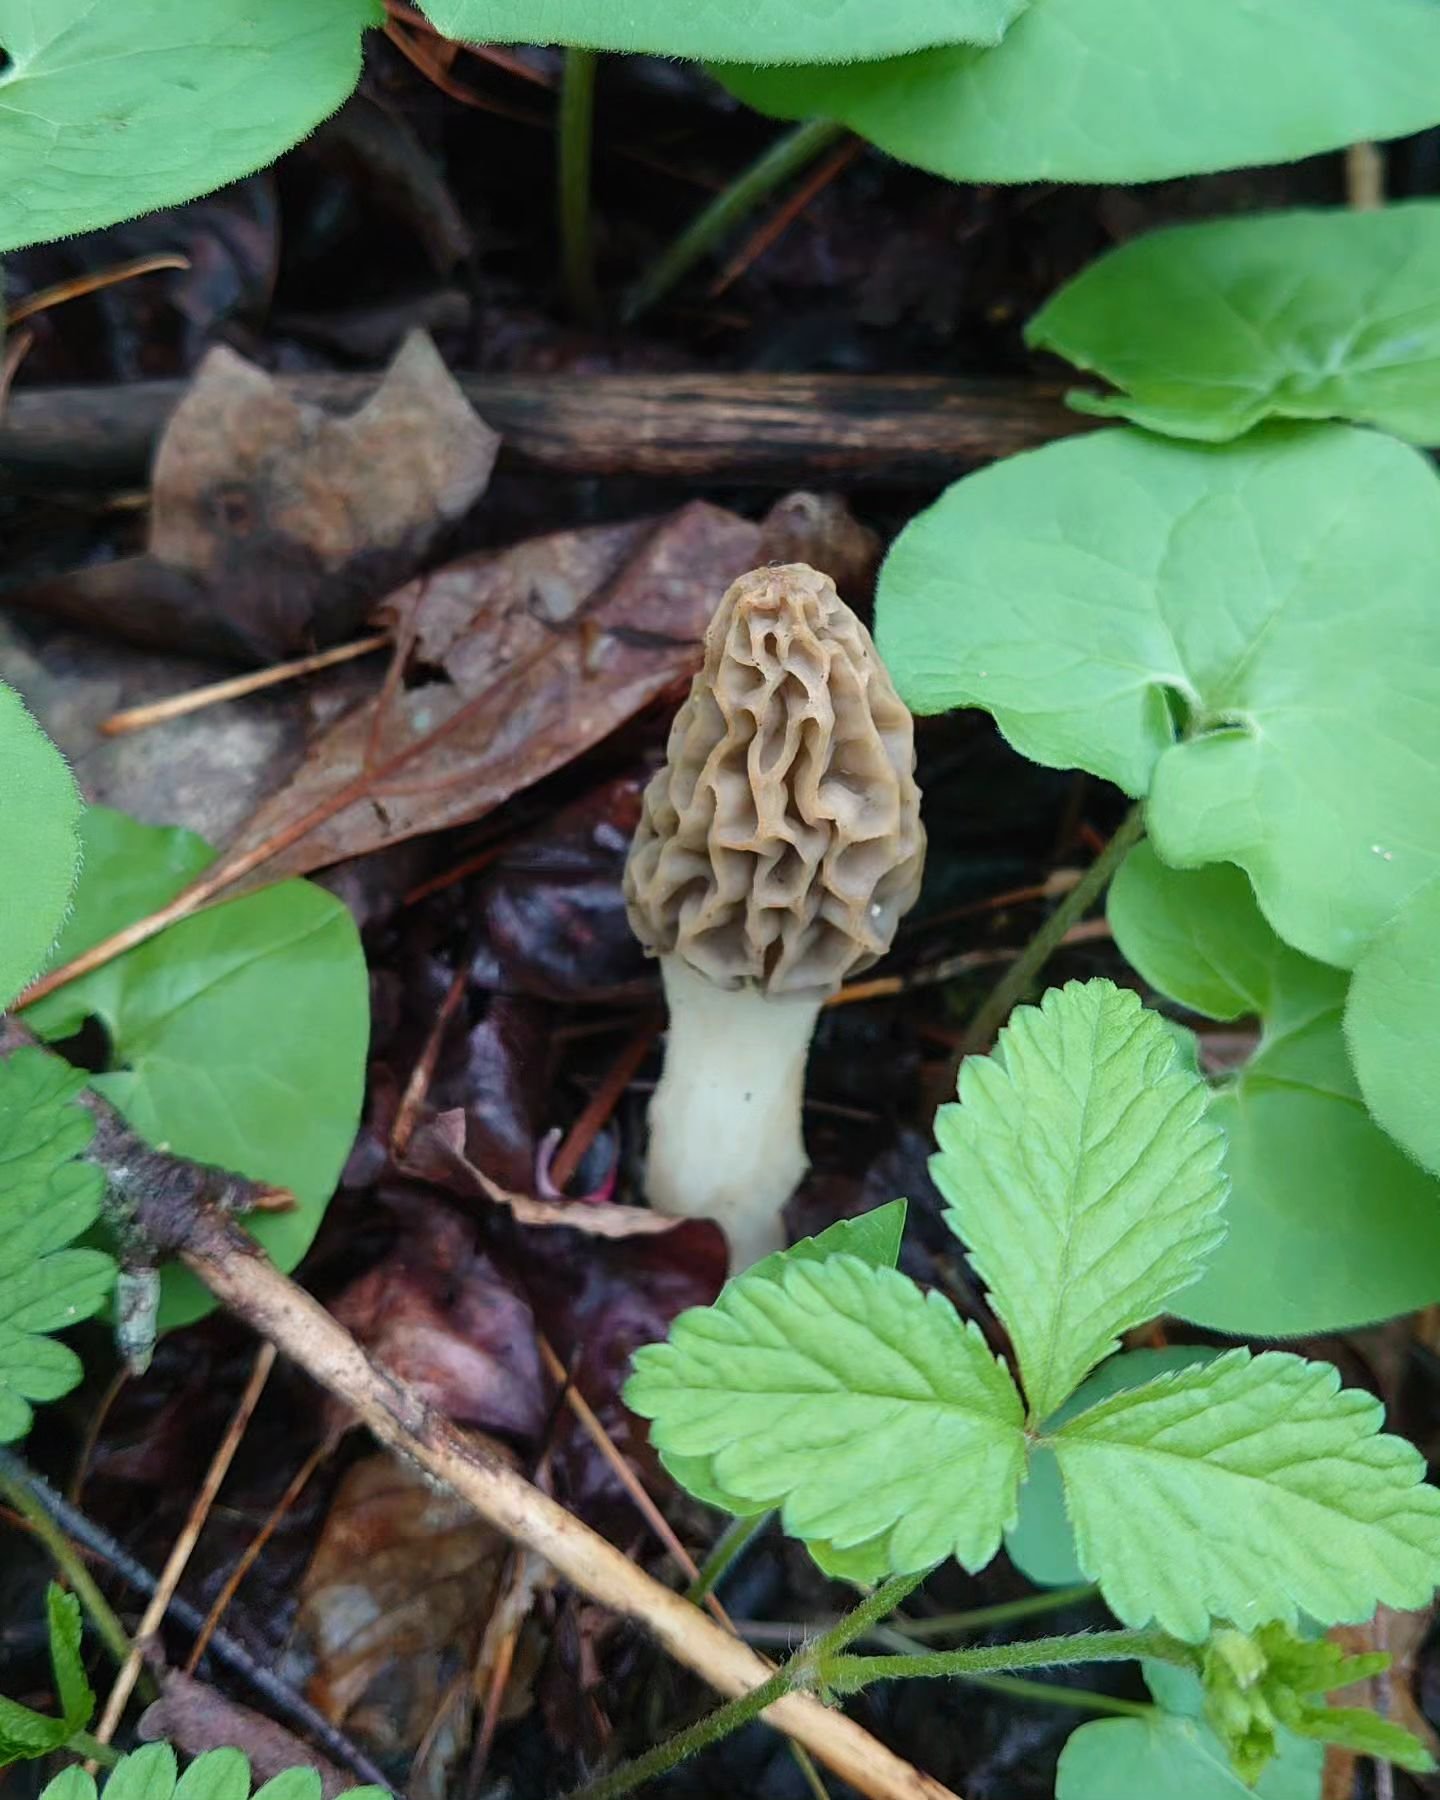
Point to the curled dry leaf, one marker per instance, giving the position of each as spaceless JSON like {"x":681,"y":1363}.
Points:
{"x":820,"y":529}
{"x":518,"y":661}
{"x":437,"y":1155}
{"x":275,"y":525}
{"x":394,"y":1603}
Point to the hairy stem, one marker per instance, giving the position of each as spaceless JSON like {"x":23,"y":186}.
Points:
{"x":785,"y":157}
{"x":86,"y":1744}
{"x":847,"y":1673}
{"x":1018,"y":978}
{"x":801,"y":1671}
{"x":1052,"y":1693}
{"x":69,"y":1562}
{"x":577,"y":234}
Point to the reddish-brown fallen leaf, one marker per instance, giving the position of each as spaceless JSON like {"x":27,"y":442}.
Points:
{"x":1391,"y":1693}
{"x":275,"y":525}
{"x":440,"y":1315}
{"x":394,"y":1603}
{"x":198,"y":1718}
{"x":533,"y":654}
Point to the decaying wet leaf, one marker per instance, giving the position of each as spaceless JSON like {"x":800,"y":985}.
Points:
{"x":1391,"y":1693}
{"x":394,"y":1604}
{"x":820,"y":529}
{"x":275,"y":525}
{"x":437,"y":1313}
{"x":197,"y":1718}
{"x":519,"y":661}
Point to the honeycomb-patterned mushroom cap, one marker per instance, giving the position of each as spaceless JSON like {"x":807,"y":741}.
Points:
{"x":781,"y":844}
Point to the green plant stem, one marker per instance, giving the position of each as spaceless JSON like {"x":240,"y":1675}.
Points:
{"x":800,"y":1671}
{"x":70,"y":1564}
{"x":577,"y":233}
{"x":732,"y":1543}
{"x":1020,"y":976}
{"x":1006,"y":1612}
{"x":787,"y":156}
{"x":86,"y":1744}
{"x":1051,"y":1693}
{"x":847,"y":1673}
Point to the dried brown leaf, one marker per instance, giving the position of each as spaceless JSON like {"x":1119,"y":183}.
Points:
{"x":537,"y":652}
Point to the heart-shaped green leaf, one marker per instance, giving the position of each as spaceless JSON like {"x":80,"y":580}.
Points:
{"x":1179,"y":1758}
{"x":1393,"y":1026}
{"x":1245,"y":633}
{"x":1130,"y":90}
{"x":772,"y":31}
{"x":107,"y":111}
{"x":39,"y":843}
{"x":1208,"y":329}
{"x":1329,"y":1224}
{"x":238,"y":1036}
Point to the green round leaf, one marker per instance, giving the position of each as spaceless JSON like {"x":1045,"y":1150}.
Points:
{"x":39,"y":843}
{"x":109,"y":110}
{"x":1329,"y":1225}
{"x":1394,"y":1029}
{"x":1211,"y":328}
{"x":238,"y":1036}
{"x":1179,"y":1759}
{"x":780,"y":31}
{"x":1276,"y":593}
{"x":1041,"y":1544}
{"x":1131,"y":90}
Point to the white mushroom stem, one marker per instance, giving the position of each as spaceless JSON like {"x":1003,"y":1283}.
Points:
{"x":725,"y":1136}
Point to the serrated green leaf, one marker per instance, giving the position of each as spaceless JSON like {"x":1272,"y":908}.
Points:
{"x":1170,"y":1758}
{"x":1279,"y":587}
{"x":39,"y":841}
{"x":238,"y":1036}
{"x":846,"y":1397}
{"x":1208,"y":329}
{"x":1248,"y":1490}
{"x":780,"y":31}
{"x":1084,"y":1177}
{"x":47,"y":1199}
{"x":296,"y":1784}
{"x":148,"y":1774}
{"x":70,"y":1784}
{"x":217,"y":1775}
{"x":1393,"y":1028}
{"x":67,"y":1629}
{"x":109,"y":111}
{"x":1329,"y":1224}
{"x":1125,"y":90}
{"x":1040,"y":1543}
{"x":874,"y":1237}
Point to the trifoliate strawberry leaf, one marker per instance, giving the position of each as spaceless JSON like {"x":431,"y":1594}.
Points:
{"x":1083,"y":1175}
{"x":1329,"y":1225}
{"x":1207,"y":331}
{"x":1249,"y":1490}
{"x":1041,"y":1543}
{"x":39,"y":842}
{"x":47,"y":1200}
{"x":1221,"y":629}
{"x":846,"y":1397}
{"x":237,"y":1037}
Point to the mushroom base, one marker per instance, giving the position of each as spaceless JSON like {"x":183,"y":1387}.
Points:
{"x":725,"y":1137}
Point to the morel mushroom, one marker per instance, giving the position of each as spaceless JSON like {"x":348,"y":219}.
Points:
{"x":777,"y":851}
